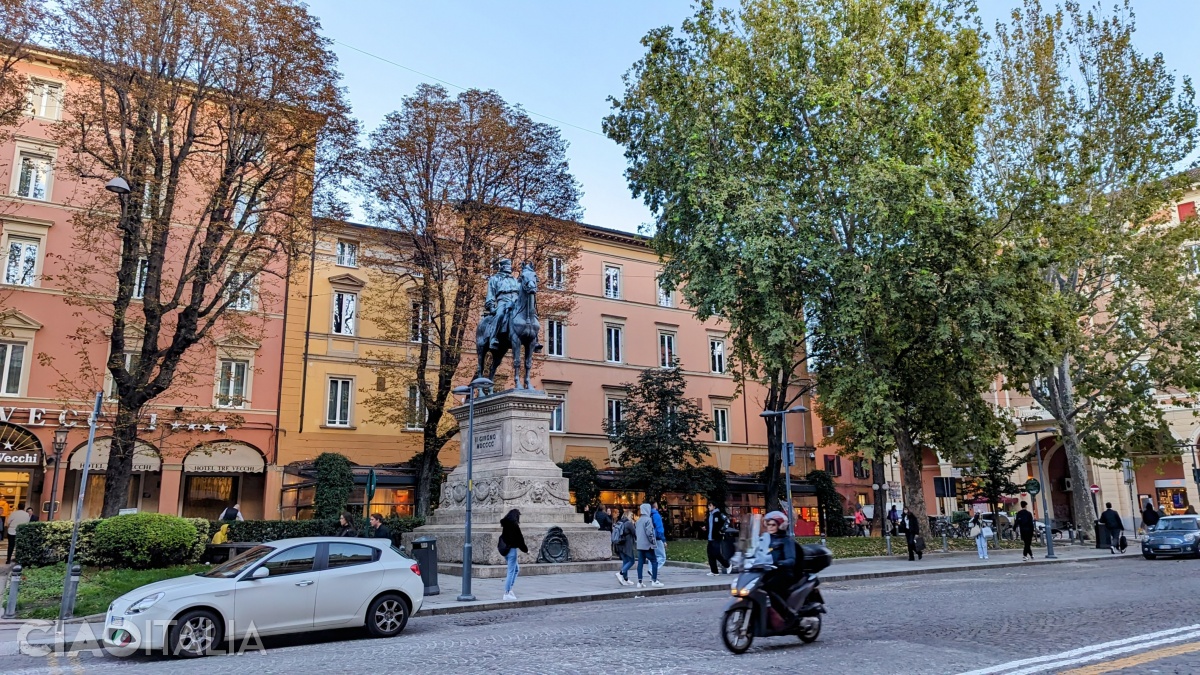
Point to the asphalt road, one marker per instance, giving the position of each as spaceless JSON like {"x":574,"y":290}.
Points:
{"x":1120,"y":616}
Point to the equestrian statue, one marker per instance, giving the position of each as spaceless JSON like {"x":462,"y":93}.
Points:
{"x":509,"y":321}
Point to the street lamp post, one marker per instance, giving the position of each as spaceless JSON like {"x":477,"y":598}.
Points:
{"x":469,"y":392}
{"x":60,"y":444}
{"x":1037,"y":445}
{"x":787,"y":460}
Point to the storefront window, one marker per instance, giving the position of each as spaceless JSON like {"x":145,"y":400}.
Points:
{"x":93,"y":501}
{"x":398,"y":502}
{"x":1173,"y":501}
{"x":208,"y":496}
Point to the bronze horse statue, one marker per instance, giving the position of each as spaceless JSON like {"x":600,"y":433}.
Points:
{"x":521,"y":336}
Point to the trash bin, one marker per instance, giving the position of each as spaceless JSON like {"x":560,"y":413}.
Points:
{"x":424,"y":551}
{"x":1102,"y":538}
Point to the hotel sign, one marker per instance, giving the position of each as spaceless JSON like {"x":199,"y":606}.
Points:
{"x":38,"y":417}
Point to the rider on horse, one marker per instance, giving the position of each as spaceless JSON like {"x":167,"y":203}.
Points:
{"x":500,"y":302}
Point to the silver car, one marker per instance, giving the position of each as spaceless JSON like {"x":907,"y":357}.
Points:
{"x":286,"y":586}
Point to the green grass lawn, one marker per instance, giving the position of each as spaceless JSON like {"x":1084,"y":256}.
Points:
{"x":690,"y":550}
{"x":41,"y":588}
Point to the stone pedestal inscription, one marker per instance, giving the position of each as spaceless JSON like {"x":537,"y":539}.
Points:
{"x":512,"y":469}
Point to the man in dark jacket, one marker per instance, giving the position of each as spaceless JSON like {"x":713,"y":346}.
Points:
{"x":715,"y":527}
{"x":378,"y":529}
{"x":603,"y":519}
{"x":911,"y":527}
{"x":1149,"y":515}
{"x":1112,"y":521}
{"x":1025,"y":527}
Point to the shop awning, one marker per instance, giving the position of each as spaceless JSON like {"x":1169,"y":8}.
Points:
{"x":145,"y":457}
{"x":224,"y":458}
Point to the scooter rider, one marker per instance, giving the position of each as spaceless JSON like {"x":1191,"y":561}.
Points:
{"x":782,"y":548}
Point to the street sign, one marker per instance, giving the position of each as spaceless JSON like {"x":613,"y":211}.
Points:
{"x":1094,"y":488}
{"x":1033,"y":487}
{"x":789,"y":454}
{"x":370,"y":485}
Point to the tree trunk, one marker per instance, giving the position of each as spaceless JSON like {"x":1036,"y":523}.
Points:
{"x":910,"y":468}
{"x":1063,"y":395}
{"x":120,"y":461}
{"x":772,"y":479}
{"x":880,"y":516}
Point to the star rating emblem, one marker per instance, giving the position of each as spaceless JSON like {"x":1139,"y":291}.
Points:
{"x":221,"y":428}
{"x":207,"y":427}
{"x":191,"y":427}
{"x":8,"y":445}
{"x":175,"y":425}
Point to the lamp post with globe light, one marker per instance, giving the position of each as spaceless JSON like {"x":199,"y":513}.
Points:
{"x":60,"y":444}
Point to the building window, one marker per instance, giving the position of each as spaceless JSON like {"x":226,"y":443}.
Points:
{"x":664,"y":296}
{"x":554,"y":338}
{"x":862,"y":468}
{"x":139,"y":278}
{"x":556,"y":274}
{"x":721,"y":425}
{"x":833,"y":465}
{"x":716,"y":355}
{"x":558,"y":418}
{"x":347,"y":253}
{"x":828,"y":430}
{"x":21,"y":269}
{"x":240,"y":290}
{"x":243,"y":217}
{"x":12,"y":362}
{"x":338,"y":414}
{"x":417,"y":413}
{"x":616,"y":411}
{"x":416,"y":330}
{"x":666,"y":350}
{"x":612,"y":344}
{"x":45,"y":99}
{"x":345,"y":312}
{"x":131,"y":362}
{"x":612,"y":282}
{"x":35,"y":176}
{"x":231,"y":385}
{"x":1186,"y":210}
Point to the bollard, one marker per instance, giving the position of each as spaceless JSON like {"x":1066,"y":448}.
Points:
{"x":822,"y":540}
{"x":14,"y":586}
{"x":67,"y":610}
{"x":945,"y":543}
{"x":888,"y":540}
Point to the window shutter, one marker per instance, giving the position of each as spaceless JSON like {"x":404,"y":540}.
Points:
{"x":1187,"y":210}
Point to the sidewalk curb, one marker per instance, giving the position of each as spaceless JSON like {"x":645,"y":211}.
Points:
{"x":94,"y":618}
{"x":618,"y":594}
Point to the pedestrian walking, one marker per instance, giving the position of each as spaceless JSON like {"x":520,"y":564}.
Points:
{"x":715,"y":525}
{"x":511,"y":541}
{"x":346,"y":525}
{"x":232,"y":513}
{"x":1112,"y":522}
{"x":15,"y":520}
{"x":911,"y":527}
{"x":646,"y":545}
{"x":605,"y":520}
{"x":33,"y":517}
{"x":980,"y":532}
{"x":624,"y":540}
{"x":1149,"y":515}
{"x":660,"y":535}
{"x":860,"y":522}
{"x":378,"y":529}
{"x":1025,"y":527}
{"x":893,"y":517}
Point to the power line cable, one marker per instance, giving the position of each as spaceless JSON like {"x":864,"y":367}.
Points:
{"x":459,"y":87}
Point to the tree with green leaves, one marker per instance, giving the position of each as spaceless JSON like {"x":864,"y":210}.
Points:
{"x":335,"y":481}
{"x":657,"y":440}
{"x":1081,"y":152}
{"x":989,"y":474}
{"x":830,"y":504}
{"x":583,"y":481}
{"x":810,"y":167}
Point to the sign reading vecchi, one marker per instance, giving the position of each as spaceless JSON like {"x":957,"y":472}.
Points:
{"x":37,"y":417}
{"x":29,"y":458}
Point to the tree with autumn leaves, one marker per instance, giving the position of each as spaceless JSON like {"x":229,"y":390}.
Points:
{"x":457,"y":183}
{"x":224,"y":120}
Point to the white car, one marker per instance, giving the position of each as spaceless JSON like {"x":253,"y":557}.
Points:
{"x":285,"y":586}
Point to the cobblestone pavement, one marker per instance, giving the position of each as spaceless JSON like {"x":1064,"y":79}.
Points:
{"x":937,"y":623}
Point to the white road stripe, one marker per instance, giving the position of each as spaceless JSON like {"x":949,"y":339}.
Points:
{"x":1106,"y":654}
{"x":1137,"y":639}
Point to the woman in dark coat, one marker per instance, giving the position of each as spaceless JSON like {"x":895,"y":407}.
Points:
{"x":346,"y":526}
{"x":511,"y":541}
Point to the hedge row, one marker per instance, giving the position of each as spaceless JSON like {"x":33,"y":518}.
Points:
{"x":153,"y":540}
{"x":136,"y":541}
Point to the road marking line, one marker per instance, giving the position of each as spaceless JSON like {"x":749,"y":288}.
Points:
{"x":1096,"y":656}
{"x":1140,"y":639}
{"x":1139,"y":659}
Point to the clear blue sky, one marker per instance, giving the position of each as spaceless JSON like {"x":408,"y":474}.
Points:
{"x":562,"y":58}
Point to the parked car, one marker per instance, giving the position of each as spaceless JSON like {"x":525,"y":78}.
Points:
{"x":1173,"y":535}
{"x":285,"y":586}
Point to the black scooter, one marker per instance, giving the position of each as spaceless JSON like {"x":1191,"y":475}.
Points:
{"x":752,"y":615}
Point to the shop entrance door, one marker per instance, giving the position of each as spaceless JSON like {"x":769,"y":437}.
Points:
{"x":14,"y":489}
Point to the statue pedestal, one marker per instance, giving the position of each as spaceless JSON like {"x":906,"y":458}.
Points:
{"x":512,"y":470}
